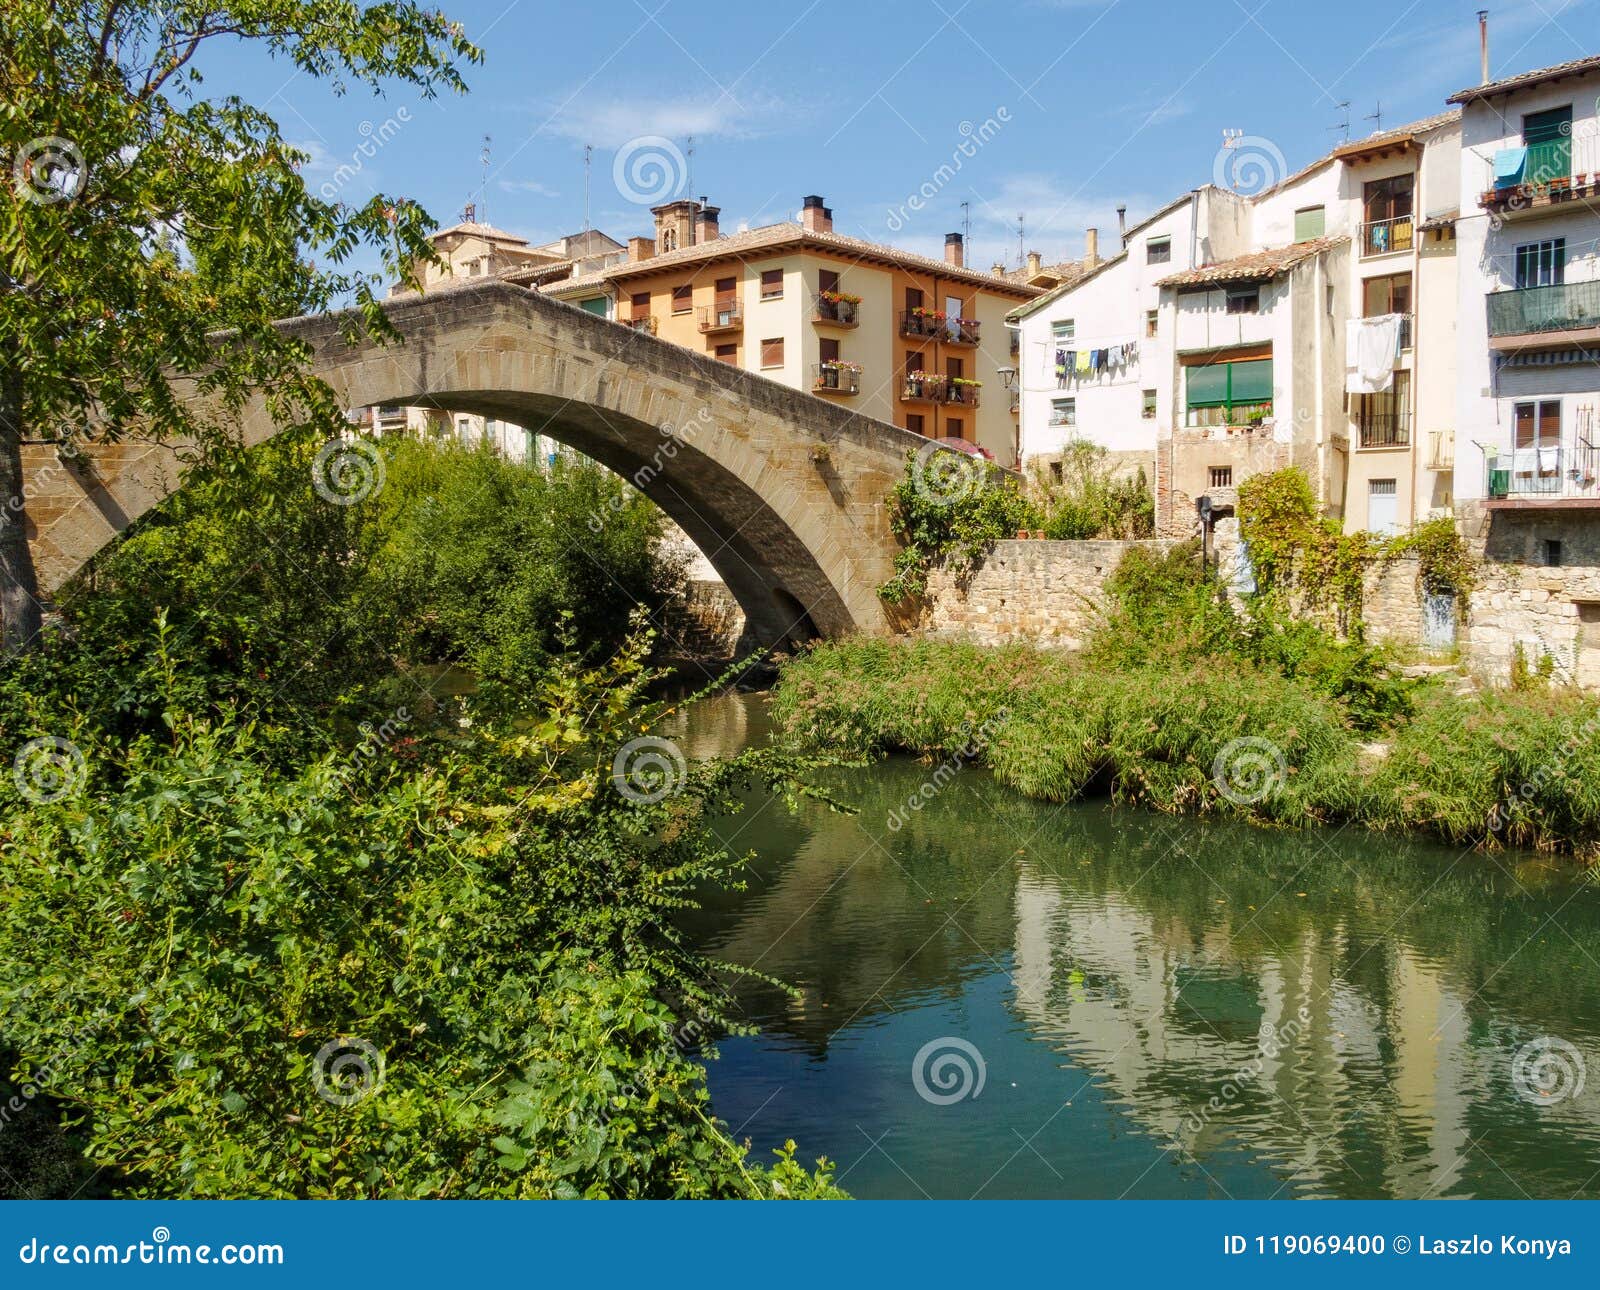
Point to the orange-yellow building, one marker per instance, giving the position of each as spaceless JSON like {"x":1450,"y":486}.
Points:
{"x":915,"y":341}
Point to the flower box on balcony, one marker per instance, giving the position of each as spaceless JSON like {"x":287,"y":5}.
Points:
{"x":838,"y":307}
{"x":837,"y":378}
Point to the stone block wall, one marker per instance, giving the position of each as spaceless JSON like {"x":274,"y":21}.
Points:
{"x":1044,"y":593}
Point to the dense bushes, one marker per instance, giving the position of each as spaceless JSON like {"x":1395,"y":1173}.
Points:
{"x":276,"y":922}
{"x":1218,"y":736}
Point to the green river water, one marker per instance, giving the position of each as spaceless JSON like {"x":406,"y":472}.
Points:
{"x":1153,"y":1007}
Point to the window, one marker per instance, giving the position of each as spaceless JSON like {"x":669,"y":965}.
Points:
{"x":1229,"y":393}
{"x":772,"y":284}
{"x":1152,"y":322}
{"x":682,"y":298}
{"x":772,"y":352}
{"x":1384,"y":419}
{"x":1548,"y":137}
{"x":1310,"y":223}
{"x":1147,"y":404}
{"x":640,"y":301}
{"x":1244,"y":300}
{"x":954,"y":368}
{"x":913,"y":298}
{"x":595,"y":306}
{"x":728,"y":353}
{"x":1389,"y":295}
{"x":914,"y":423}
{"x":1064,"y":331}
{"x":1219,"y":477}
{"x":914,"y":362}
{"x":1537,"y":425}
{"x":1063,"y":412}
{"x":1386,"y":208}
{"x":1158,"y":250}
{"x":1551,"y":550}
{"x":1542,"y":264}
{"x":955,"y":428}
{"x":828,"y":350}
{"x":827,"y":280}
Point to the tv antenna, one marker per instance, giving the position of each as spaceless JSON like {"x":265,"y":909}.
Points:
{"x":588,"y":157}
{"x":688,"y":163}
{"x":1376,"y":118}
{"x":1343,"y":126}
{"x":483,"y":185}
{"x":966,"y":229}
{"x":1022,"y":256}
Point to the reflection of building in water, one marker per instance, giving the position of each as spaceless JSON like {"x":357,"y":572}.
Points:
{"x":1346,"y":1088}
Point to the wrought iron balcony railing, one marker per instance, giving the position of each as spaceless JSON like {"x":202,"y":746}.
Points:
{"x":1380,"y":236}
{"x":1568,"y":306}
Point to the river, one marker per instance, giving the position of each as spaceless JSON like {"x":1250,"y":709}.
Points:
{"x":1007,"y":998}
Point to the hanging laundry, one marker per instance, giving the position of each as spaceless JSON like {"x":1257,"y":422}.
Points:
{"x":1082,"y":365}
{"x":1371,"y":346}
{"x":1063,"y":357}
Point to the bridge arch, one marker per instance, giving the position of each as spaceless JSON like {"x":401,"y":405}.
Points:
{"x":783,"y":491}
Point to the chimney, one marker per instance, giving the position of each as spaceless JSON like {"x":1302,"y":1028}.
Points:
{"x":705,"y":223}
{"x":814,"y":216}
{"x":1034,"y":264}
{"x":998,"y":268}
{"x":1483,"y":45}
{"x":640,"y":248}
{"x":1122,"y":228}
{"x":470,"y":214}
{"x":1091,"y":247}
{"x":953,"y":254}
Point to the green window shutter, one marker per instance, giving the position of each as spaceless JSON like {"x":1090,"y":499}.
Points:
{"x":595,"y":306}
{"x":1549,"y":139}
{"x":1252,"y":381}
{"x":1310,"y":224}
{"x":1544,"y":127}
{"x":1208,"y":386}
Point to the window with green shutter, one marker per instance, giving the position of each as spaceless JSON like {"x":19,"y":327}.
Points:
{"x":1220,"y":394}
{"x":1310,"y":223}
{"x":1548,"y":136}
{"x":595,"y":306}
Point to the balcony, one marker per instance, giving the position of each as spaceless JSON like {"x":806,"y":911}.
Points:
{"x":1569,"y":311}
{"x":1556,"y":172}
{"x":1441,"y":450}
{"x":1556,"y":476}
{"x":836,"y":378}
{"x":930,"y":324}
{"x":834,"y":309}
{"x":1383,"y":236}
{"x":923,"y":387}
{"x":646,"y":323}
{"x":720,"y":317}
{"x":1384,"y":429}
{"x":962,"y":393}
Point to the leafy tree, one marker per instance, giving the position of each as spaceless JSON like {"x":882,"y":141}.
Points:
{"x":145,"y":214}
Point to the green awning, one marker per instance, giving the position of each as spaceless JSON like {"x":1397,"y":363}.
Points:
{"x":1208,"y":386}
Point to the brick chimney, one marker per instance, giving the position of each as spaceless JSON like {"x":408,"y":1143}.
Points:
{"x":705,"y":223}
{"x":470,"y":214}
{"x":1034,"y":264}
{"x":953,"y":253}
{"x":640,"y":248}
{"x":1091,"y":247}
{"x":814,"y":216}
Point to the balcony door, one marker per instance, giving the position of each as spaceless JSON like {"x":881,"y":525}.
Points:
{"x":727,"y":306}
{"x":1536,"y":459}
{"x":1383,"y":506}
{"x":1548,"y":138}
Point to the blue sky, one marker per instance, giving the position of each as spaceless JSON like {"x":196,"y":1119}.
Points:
{"x":1088,"y":104}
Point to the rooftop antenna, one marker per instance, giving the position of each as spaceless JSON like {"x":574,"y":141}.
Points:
{"x":688,"y":163}
{"x":1343,"y":125}
{"x":483,"y":186}
{"x":1376,"y":118}
{"x":1022,"y":257}
{"x":966,"y":230}
{"x":588,"y":157}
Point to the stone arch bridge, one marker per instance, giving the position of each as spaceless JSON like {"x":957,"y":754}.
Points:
{"x":782,"y":490}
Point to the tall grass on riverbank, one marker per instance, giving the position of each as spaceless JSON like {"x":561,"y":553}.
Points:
{"x":1219,"y":736}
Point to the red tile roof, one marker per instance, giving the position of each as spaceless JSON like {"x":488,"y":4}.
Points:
{"x":1255,"y":267}
{"x":1572,"y":67}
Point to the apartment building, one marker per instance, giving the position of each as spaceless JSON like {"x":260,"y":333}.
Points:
{"x":1233,"y":324}
{"x":1528,"y":352}
{"x":903,"y":338}
{"x":1095,"y":356}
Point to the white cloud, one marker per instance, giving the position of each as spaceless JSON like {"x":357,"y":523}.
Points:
{"x":532,"y":186}
{"x":612,"y":121}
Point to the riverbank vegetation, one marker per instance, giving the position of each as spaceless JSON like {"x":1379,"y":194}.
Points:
{"x":1189,"y":701}
{"x":283,"y":918}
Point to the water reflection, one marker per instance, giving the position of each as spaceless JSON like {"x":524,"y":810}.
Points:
{"x":1164,"y":1008}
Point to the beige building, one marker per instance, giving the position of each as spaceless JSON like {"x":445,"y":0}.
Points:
{"x":917,"y":342}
